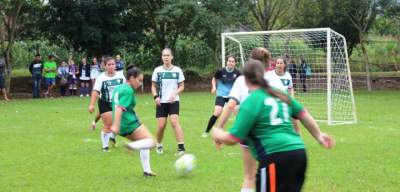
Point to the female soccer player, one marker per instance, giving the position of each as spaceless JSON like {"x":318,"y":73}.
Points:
{"x":167,"y":83}
{"x":126,"y":122}
{"x":104,"y":87}
{"x":222,"y":83}
{"x":264,"y":123}
{"x":287,"y":81}
{"x":238,"y":94}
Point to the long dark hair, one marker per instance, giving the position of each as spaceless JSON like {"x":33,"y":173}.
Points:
{"x":254,"y":73}
{"x":261,"y":54}
{"x":132,"y":71}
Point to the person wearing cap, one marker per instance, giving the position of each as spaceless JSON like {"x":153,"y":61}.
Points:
{"x":50,"y":72}
{"x":36,"y":69}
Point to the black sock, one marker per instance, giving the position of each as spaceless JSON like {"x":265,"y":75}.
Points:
{"x":181,"y":147}
{"x":211,"y":123}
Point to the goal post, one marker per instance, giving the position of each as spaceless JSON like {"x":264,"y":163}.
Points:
{"x":316,"y":58}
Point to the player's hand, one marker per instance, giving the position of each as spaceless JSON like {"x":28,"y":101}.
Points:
{"x":91,"y":109}
{"x":213,"y":90}
{"x":171,"y":98}
{"x":216,"y":134}
{"x":157,"y":101}
{"x":326,"y":140}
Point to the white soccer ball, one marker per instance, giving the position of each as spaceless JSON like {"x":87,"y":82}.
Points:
{"x":185,"y":164}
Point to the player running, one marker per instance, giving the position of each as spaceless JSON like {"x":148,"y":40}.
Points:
{"x":264,"y":123}
{"x":104,"y":87}
{"x":167,"y":84}
{"x":237,"y":95}
{"x":126,"y":122}
{"x":222,"y":83}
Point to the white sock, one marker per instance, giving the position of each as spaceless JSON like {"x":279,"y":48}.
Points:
{"x":145,"y":159}
{"x":113,"y":135}
{"x":141,"y":144}
{"x":246,"y":190}
{"x":105,"y":137}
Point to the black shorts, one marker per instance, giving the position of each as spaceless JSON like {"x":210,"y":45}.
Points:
{"x":104,"y":106}
{"x":84,"y":81}
{"x":167,"y":109}
{"x":282,"y":171}
{"x":220,"y":101}
{"x":2,"y":83}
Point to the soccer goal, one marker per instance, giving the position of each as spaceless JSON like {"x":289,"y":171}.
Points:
{"x":317,"y":60}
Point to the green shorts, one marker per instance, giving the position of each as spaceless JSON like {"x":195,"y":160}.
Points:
{"x":124,"y":131}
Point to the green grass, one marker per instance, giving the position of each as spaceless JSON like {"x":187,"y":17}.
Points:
{"x":46,"y":145}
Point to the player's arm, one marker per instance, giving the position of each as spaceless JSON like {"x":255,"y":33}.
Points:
{"x":227,"y":111}
{"x":154,"y":93}
{"x":324,"y":139}
{"x":213,"y":85}
{"x":93,"y":99}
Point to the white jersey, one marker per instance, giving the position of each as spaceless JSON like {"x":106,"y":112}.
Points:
{"x":286,"y":79}
{"x":105,"y":85}
{"x":167,"y":81}
{"x":240,"y":91}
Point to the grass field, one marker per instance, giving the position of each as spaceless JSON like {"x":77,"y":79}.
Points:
{"x":46,"y":145}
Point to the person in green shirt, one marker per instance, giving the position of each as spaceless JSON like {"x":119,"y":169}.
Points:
{"x":50,"y":72}
{"x":264,"y":123}
{"x":126,"y":122}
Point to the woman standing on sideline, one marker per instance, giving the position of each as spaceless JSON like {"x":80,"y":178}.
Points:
{"x":84,"y":77}
{"x":103,"y":89}
{"x":264,"y":123}
{"x":167,"y":83}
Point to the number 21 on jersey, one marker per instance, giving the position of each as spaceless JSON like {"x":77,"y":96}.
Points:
{"x":274,"y":116}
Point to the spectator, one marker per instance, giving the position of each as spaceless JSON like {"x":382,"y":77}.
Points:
{"x":303,"y":74}
{"x":72,"y":77}
{"x":84,"y":77}
{"x":119,"y":64}
{"x":36,"y":69}
{"x":63,"y":75}
{"x":292,"y":68}
{"x":95,"y":70}
{"x":2,"y":82}
{"x":50,"y":70}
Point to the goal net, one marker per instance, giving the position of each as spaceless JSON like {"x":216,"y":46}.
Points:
{"x":318,"y":61}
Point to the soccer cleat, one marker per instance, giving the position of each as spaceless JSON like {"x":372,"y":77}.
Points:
{"x":159,"y":149}
{"x":106,"y":149}
{"x":180,"y":152}
{"x":87,"y":95}
{"x":204,"y":135}
{"x":113,"y":142}
{"x":148,"y":175}
{"x":81,"y":95}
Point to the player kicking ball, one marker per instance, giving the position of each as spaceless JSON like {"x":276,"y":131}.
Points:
{"x":126,"y":122}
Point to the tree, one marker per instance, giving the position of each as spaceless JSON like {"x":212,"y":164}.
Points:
{"x":362,"y":14}
{"x":93,"y":26}
{"x":273,"y":14}
{"x":16,"y":19}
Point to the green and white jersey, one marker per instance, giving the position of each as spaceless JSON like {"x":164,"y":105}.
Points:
{"x":124,"y":98}
{"x":105,"y":85}
{"x":167,"y":80}
{"x":264,"y":123}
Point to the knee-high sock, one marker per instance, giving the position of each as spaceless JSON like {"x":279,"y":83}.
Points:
{"x":145,"y":159}
{"x":105,"y":137}
{"x":211,"y":123}
{"x":141,"y":144}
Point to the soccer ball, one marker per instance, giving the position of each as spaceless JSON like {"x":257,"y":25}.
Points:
{"x":185,"y":164}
